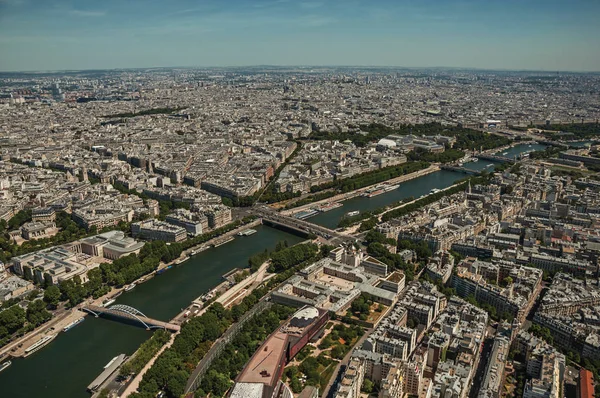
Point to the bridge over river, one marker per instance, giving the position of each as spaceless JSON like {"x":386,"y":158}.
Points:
{"x":271,"y":216}
{"x":130,"y":314}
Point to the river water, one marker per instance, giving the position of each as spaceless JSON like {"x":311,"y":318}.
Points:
{"x":413,"y":188}
{"x":66,"y":366}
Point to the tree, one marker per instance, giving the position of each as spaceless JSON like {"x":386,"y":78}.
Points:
{"x":412,"y":323}
{"x":52,"y":296}
{"x":36,"y":313}
{"x":337,"y":352}
{"x":367,"y":386}
{"x":12,"y":319}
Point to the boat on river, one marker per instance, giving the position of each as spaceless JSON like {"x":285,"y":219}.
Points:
{"x":38,"y":345}
{"x":329,"y":206}
{"x":5,"y":365}
{"x":108,"y":302}
{"x":73,"y":324}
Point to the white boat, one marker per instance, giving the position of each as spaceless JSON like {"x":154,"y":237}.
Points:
{"x":474,"y":159}
{"x":129,"y":288}
{"x":108,"y":302}
{"x":38,"y":345}
{"x":5,"y":365}
{"x":435,"y":190}
{"x":73,"y":324}
{"x":489,"y":165}
{"x":353,"y":213}
{"x":111,"y":362}
{"x":505,"y":153}
{"x":247,"y":232}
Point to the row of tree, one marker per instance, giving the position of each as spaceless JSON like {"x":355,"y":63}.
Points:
{"x":174,"y":366}
{"x":235,"y":354}
{"x":370,"y":177}
{"x":432,"y":198}
{"x":272,"y":194}
{"x":448,"y":156}
{"x":465,"y":138}
{"x":578,"y":130}
{"x":16,"y":320}
{"x":152,"y":111}
{"x":330,"y":189}
{"x":198,"y":240}
{"x":69,"y":231}
{"x":147,"y":350}
{"x":490,"y":309}
{"x":292,"y":256}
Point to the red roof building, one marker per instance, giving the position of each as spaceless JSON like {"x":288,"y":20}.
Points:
{"x":586,"y":384}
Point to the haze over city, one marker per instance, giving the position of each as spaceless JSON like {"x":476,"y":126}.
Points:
{"x":299,"y":199}
{"x":533,"y":34}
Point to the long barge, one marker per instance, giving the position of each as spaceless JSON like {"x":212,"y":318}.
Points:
{"x":38,"y":345}
{"x":110,"y":368}
{"x":73,"y":324}
{"x":222,"y":242}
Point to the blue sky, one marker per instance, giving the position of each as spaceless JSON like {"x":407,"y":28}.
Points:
{"x":509,"y":34}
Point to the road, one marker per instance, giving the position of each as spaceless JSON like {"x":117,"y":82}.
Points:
{"x":344,"y":362}
{"x":135,"y":383}
{"x":352,"y":194}
{"x":302,"y":225}
{"x":481,"y":367}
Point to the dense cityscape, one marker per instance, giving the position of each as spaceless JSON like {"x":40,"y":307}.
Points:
{"x":300,"y":232}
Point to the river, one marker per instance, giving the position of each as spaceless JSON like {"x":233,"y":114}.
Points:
{"x":68,"y":364}
{"x":415,"y":188}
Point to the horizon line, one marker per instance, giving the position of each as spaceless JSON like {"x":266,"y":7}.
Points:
{"x":467,"y":68}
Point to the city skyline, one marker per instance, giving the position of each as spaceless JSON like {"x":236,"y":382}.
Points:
{"x":533,"y":35}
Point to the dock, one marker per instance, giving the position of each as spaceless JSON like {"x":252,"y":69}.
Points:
{"x":110,"y":368}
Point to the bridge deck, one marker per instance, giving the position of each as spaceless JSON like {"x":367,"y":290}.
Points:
{"x":118,"y":314}
{"x":460,"y":170}
{"x":496,"y":158}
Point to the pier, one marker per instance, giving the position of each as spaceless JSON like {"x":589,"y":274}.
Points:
{"x":130,"y":314}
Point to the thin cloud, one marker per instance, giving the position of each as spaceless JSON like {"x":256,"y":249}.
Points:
{"x":311,"y":4}
{"x":87,"y":13}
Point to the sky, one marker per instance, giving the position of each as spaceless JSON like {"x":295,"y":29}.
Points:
{"x":548,"y":35}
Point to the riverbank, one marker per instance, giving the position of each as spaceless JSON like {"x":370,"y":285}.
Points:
{"x":98,"y":340}
{"x":229,"y":297}
{"x":349,"y":195}
{"x":16,"y":349}
{"x":354,"y":227}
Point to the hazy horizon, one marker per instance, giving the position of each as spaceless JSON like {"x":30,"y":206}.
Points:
{"x":512,"y":35}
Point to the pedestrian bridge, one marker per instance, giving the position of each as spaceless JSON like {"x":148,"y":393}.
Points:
{"x":129,"y":314}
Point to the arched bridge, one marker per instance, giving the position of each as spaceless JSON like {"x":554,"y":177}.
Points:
{"x":127,"y":313}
